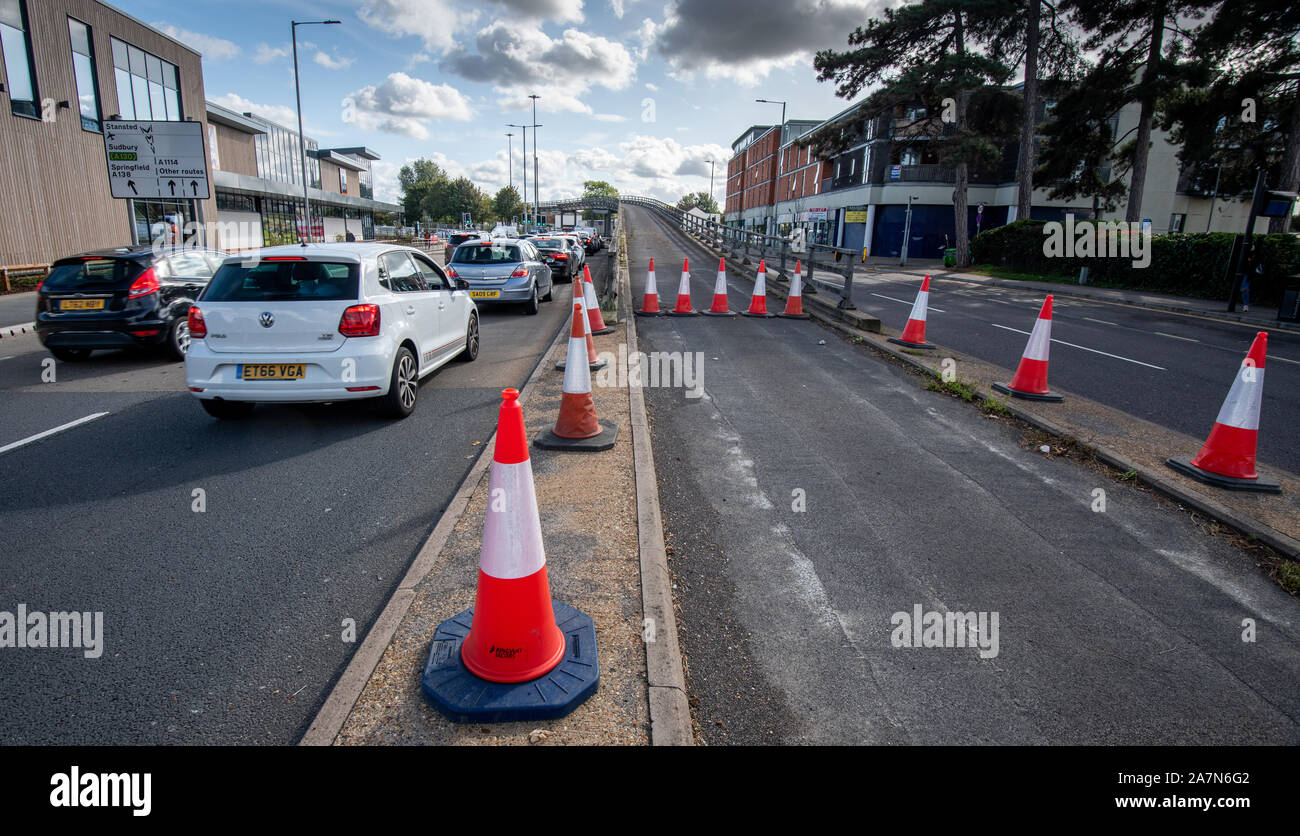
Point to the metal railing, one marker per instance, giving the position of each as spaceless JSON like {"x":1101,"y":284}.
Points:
{"x":743,"y":243}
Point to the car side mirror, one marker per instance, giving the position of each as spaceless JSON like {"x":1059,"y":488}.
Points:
{"x":462,"y":284}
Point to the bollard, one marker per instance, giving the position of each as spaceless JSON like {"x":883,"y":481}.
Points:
{"x":785,"y":245}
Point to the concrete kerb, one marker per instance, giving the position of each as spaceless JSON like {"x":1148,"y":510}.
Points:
{"x":1194,"y":500}
{"x":670,"y":712}
{"x":17,"y":330}
{"x":327,"y":723}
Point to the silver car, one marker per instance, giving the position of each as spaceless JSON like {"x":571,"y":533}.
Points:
{"x":579,"y":253}
{"x":503,"y":270}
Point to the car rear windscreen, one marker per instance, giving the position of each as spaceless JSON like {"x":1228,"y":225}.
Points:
{"x":283,"y":281}
{"x":486,"y":254}
{"x":550,"y":243}
{"x":91,"y":272}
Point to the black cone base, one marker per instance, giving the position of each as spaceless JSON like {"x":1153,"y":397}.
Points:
{"x":1183,"y":464}
{"x":1029,"y":396}
{"x":603,"y":440}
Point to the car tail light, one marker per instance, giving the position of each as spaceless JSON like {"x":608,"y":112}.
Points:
{"x":561,"y":256}
{"x":284,"y":258}
{"x":451,"y":271}
{"x":198,"y":328}
{"x":519,"y":273}
{"x":143,"y":286}
{"x":360,"y":321}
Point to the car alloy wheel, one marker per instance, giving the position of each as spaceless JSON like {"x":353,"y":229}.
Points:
{"x":180,"y":342}
{"x":407,"y":384}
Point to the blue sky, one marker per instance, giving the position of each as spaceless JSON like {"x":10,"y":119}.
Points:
{"x":637,"y":92}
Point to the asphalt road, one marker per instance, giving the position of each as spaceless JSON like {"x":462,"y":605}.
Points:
{"x":1119,"y":626}
{"x":223,"y":626}
{"x":1167,"y":368}
{"x":16,"y":309}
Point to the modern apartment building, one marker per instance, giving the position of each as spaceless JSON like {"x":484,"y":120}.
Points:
{"x":860,"y":198}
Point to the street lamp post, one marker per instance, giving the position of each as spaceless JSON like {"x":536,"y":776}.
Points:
{"x":778,"y":157}
{"x":524,"y":128}
{"x":710,"y":162}
{"x":536,"y":200}
{"x":510,"y":159}
{"x":297,"y":89}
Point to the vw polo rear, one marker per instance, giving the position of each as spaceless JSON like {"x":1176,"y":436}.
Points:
{"x":289,"y":328}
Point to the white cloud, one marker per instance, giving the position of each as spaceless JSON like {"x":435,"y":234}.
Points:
{"x":521,"y":60}
{"x":213,"y":49}
{"x":333,"y":62}
{"x":266,"y":53}
{"x":285,"y":116}
{"x":402,"y":104}
{"x":436,"y":22}
{"x":653,"y":88}
{"x":609,"y":117}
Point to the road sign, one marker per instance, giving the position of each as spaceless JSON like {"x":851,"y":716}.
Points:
{"x":156,"y":160}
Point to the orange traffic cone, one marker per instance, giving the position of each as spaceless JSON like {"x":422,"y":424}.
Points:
{"x":914,"y":331}
{"x":518,"y":655}
{"x":719,"y":307}
{"x":1227,"y":459}
{"x":593,"y":362}
{"x":577,"y":427}
{"x":650,"y":304}
{"x":758,"y":302}
{"x":1030,"y":381}
{"x":513,"y":637}
{"x":683,"y":307}
{"x":592,"y":304}
{"x":794,"y":302}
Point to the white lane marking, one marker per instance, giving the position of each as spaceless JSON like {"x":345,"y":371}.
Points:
{"x":7,"y":358}
{"x":901,"y":302}
{"x":1282,"y":359}
{"x":1102,"y":321}
{"x":1175,"y":337}
{"x":47,"y":433}
{"x":1084,"y":348}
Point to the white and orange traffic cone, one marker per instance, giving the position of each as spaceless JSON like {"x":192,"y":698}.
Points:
{"x":1030,"y":381}
{"x":719,"y":307}
{"x":592,"y":304}
{"x":758,"y":302}
{"x":914,"y":332}
{"x":577,"y":427}
{"x":1227,"y":459}
{"x":650,"y":303}
{"x":683,"y":306}
{"x":518,"y":654}
{"x":794,"y":302}
{"x":593,"y":362}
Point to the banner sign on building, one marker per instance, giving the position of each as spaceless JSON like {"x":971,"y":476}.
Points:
{"x":895,"y":172}
{"x":855,"y":216}
{"x":156,"y":160}
{"x":817,"y":214}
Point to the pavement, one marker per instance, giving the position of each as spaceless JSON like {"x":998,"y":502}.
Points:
{"x":225,"y":626}
{"x":816,"y":493}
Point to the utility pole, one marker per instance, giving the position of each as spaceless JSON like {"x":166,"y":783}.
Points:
{"x":907,"y":231}
{"x":710,"y":162}
{"x":297,"y":89}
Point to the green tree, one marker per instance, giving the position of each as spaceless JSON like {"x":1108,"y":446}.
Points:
{"x":1130,"y":37}
{"x":928,"y":53}
{"x":598,"y":188}
{"x":1079,"y":142}
{"x":420,"y":180}
{"x":703,"y":200}
{"x":507,"y":204}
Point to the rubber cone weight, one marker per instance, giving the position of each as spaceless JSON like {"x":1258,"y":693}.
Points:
{"x":603,"y":440}
{"x":1050,"y":397}
{"x":1183,"y":464}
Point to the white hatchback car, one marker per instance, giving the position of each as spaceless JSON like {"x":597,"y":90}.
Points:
{"x":325,"y":322}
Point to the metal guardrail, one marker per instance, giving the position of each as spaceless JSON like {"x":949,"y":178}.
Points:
{"x":735,"y":241}
{"x":8,"y":271}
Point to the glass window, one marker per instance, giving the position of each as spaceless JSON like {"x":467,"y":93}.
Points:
{"x":434,"y":278}
{"x":83,"y":68}
{"x":289,"y":280}
{"x":401,"y":273}
{"x":147,"y":87}
{"x":343,"y":180}
{"x":19,"y":68}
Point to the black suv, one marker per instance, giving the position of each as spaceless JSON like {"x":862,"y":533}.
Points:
{"x":458,"y":238}
{"x":122,"y":298}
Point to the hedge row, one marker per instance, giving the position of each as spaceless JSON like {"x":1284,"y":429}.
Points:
{"x":1186,"y":264}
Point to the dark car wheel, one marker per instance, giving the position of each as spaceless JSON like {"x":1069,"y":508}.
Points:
{"x":178,"y":339}
{"x":471,"y":340}
{"x":227,"y":410}
{"x":530,"y":307}
{"x":550,"y":291}
{"x":71,"y":355}
{"x":403,"y":386}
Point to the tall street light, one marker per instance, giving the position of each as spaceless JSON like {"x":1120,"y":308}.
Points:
{"x":510,"y":159}
{"x":778,"y":154}
{"x":297,"y":89}
{"x":535,"y":97}
{"x":710,"y":162}
{"x":524,"y":128}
